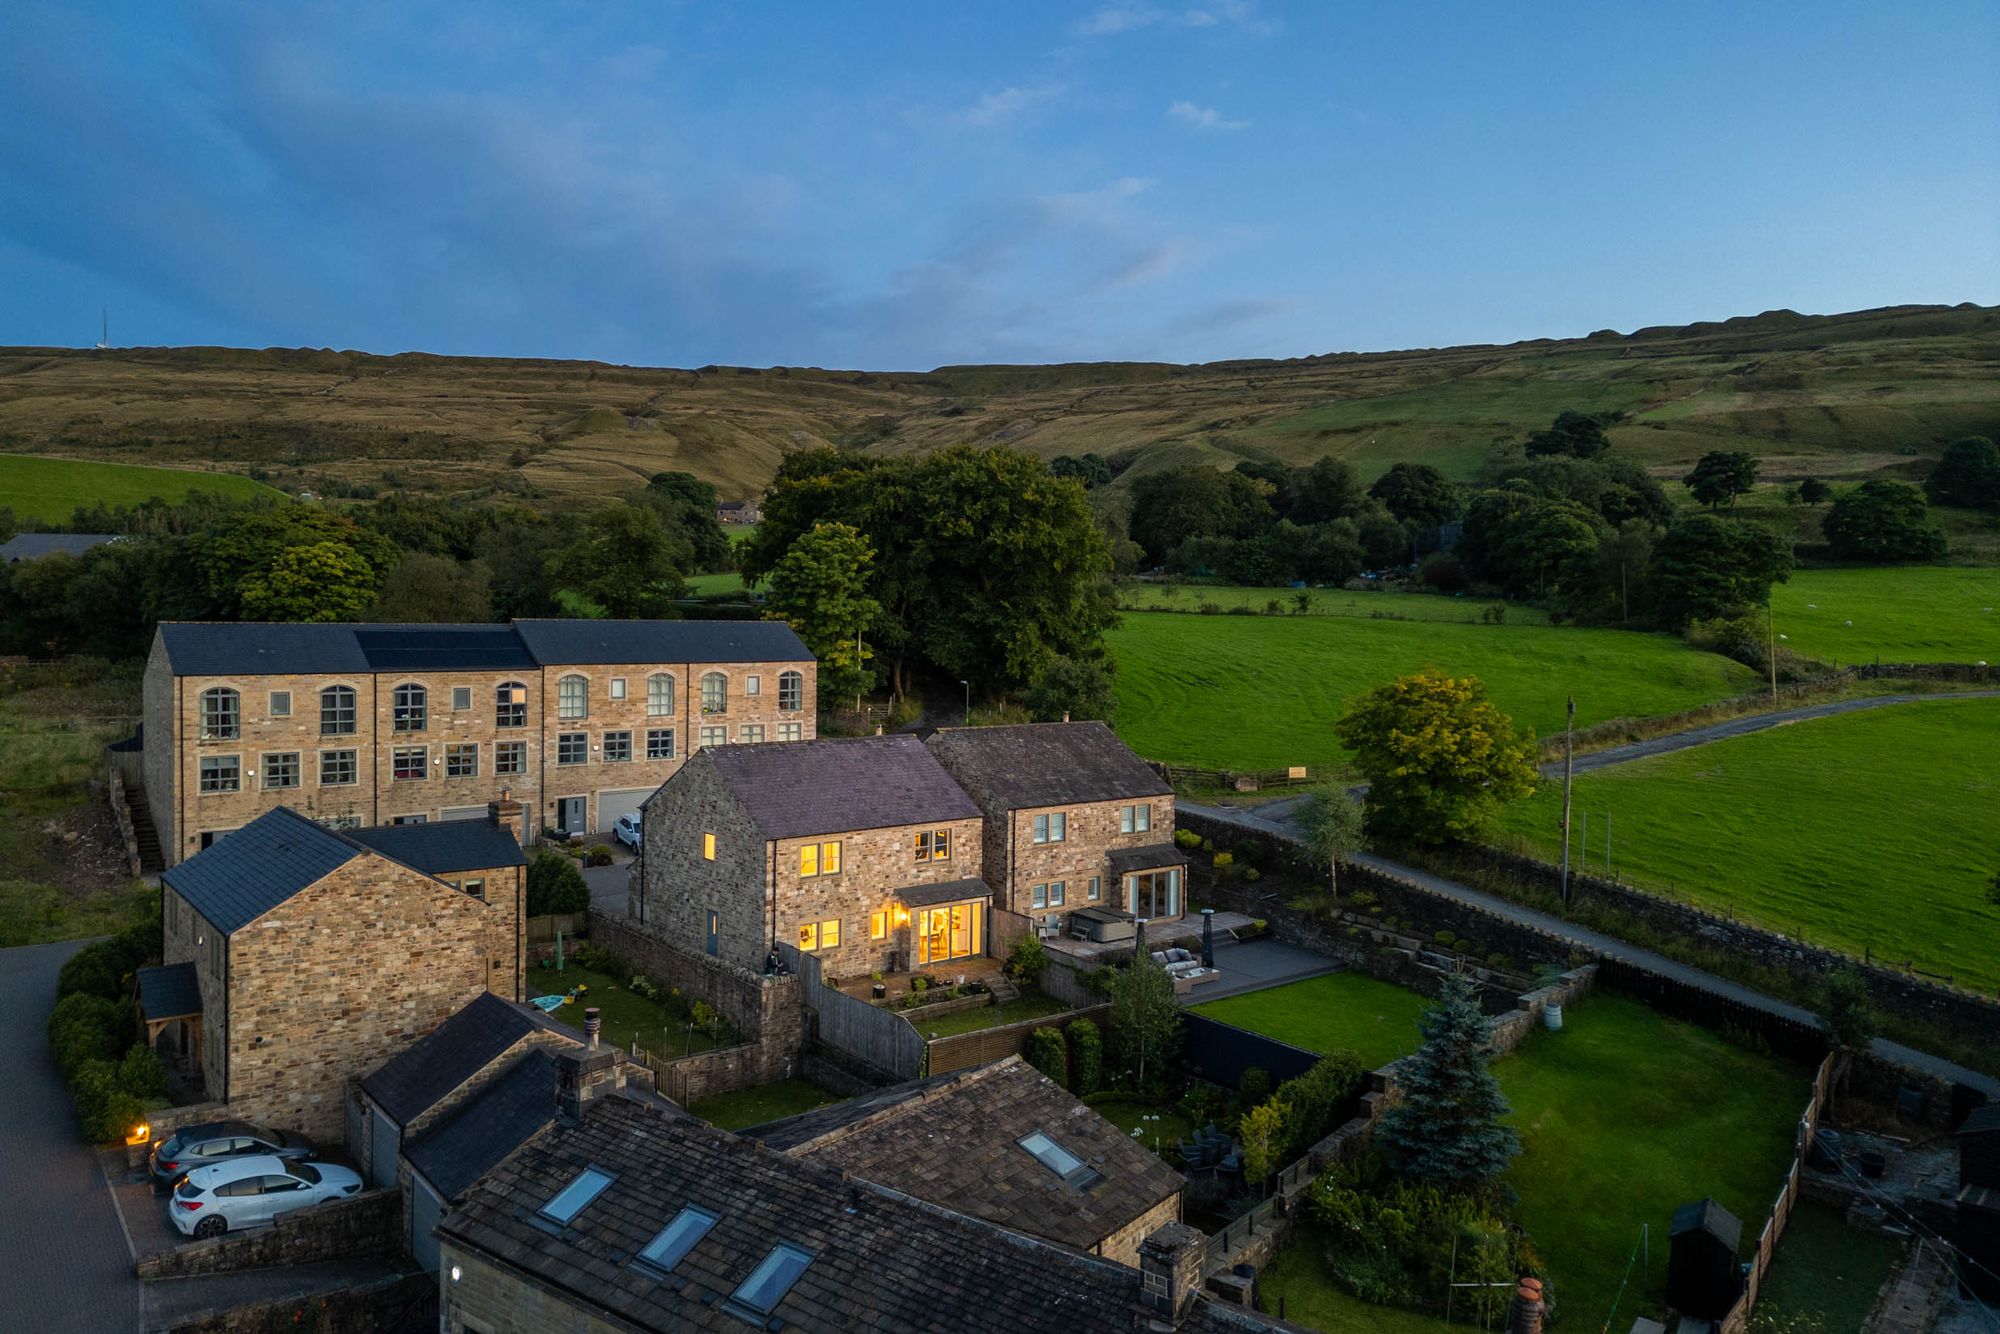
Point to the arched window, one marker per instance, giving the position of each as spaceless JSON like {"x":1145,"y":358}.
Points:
{"x":791,"y":691}
{"x":221,"y":715}
{"x":573,"y":697}
{"x":410,"y":708}
{"x":510,"y":705}
{"x":660,"y":694}
{"x":336,"y":711}
{"x":714,"y":693}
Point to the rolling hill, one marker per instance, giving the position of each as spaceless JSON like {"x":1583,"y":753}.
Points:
{"x":1834,"y":395}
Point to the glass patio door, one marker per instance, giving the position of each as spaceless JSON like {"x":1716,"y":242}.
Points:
{"x":948,"y":933}
{"x":1154,"y":894}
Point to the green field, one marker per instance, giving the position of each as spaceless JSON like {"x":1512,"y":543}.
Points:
{"x":1872,"y":830}
{"x":1263,"y":692}
{"x":1920,"y":613}
{"x":1320,"y":602}
{"x":727,"y":584}
{"x":1624,"y":1115}
{"x":50,"y":490}
{"x":1338,"y":1012}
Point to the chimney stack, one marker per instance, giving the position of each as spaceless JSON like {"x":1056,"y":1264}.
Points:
{"x":1170,"y":1261}
{"x":1524,"y":1315}
{"x":584,"y":1074}
{"x":591,"y":1026}
{"x":503,"y":812}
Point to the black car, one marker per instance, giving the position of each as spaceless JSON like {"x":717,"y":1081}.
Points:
{"x":218,"y":1142}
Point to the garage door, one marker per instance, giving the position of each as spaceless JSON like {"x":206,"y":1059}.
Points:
{"x":425,"y":1209}
{"x":619,"y":801}
{"x":357,"y":1137}
{"x":383,"y":1151}
{"x":462,"y":813}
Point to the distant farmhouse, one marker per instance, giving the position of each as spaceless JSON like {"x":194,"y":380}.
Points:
{"x":34,"y":546}
{"x":738,"y":512}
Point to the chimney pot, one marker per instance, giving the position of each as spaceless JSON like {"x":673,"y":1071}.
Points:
{"x":591,"y":1026}
{"x":1524,"y":1315}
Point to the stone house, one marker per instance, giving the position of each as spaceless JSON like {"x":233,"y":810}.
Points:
{"x":621,"y":1217}
{"x":315,"y":957}
{"x":1002,"y":1143}
{"x":860,"y":851}
{"x":1074,"y":820}
{"x":400,"y":724}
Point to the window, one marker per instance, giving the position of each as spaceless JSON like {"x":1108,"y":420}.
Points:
{"x":1059,"y":1160}
{"x":878,"y":926}
{"x":281,"y":703}
{"x":750,"y":733}
{"x":572,"y":747}
{"x":510,"y":704}
{"x":336,"y":711}
{"x":571,"y":1199}
{"x":1135,"y":819}
{"x":411,"y":819}
{"x":676,"y":1239}
{"x":337,"y":768}
{"x":819,"y":859}
{"x":411,"y":708}
{"x":1096,"y":888}
{"x":573,"y":697}
{"x":461,"y":699}
{"x":476,"y":888}
{"x":618,"y":687}
{"x":791,"y":731}
{"x":221,"y":715}
{"x":659,"y":743}
{"x":461,"y":760}
{"x":934,"y":845}
{"x":409,"y":763}
{"x":771,"y":1279}
{"x":791,"y":691}
{"x":1051,"y":828}
{"x":510,"y":757}
{"x":1039,"y":896}
{"x":221,"y":773}
{"x":753,"y":685}
{"x":714,"y":736}
{"x":281,"y":770}
{"x":660,"y":695}
{"x":820,"y":935}
{"x":617,"y":747}
{"x":708,"y":846}
{"x":714,"y":693}
{"x":1058,"y":892}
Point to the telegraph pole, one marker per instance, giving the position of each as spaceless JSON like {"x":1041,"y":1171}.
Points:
{"x":1569,"y":770}
{"x":1771,"y":619}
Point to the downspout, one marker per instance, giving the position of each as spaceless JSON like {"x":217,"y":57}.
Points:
{"x":375,"y":751}
{"x":520,"y":931}
{"x":542,"y":748}
{"x":180,"y":763}
{"x":772,"y":894}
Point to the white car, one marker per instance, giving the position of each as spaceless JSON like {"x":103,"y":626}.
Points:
{"x":626,"y":830}
{"x":246,"y":1192}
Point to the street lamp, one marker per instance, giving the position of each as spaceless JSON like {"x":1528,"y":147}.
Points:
{"x":968,"y":702}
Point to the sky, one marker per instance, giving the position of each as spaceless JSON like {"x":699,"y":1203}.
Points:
{"x":905,"y":185}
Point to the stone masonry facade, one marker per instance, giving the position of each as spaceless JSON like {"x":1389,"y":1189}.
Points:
{"x":609,"y":758}
{"x":1017,"y":863}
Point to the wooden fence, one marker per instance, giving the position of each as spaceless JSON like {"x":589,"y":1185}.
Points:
{"x":1738,"y":1318}
{"x":878,"y":1038}
{"x":1246,"y":780}
{"x":542,"y":930}
{"x":961,"y":1051}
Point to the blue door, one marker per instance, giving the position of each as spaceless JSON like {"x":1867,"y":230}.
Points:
{"x":714,"y":933}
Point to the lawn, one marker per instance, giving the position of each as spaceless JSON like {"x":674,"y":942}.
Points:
{"x":727,"y":584}
{"x":661,"y":1027}
{"x":1336,"y":1012}
{"x":1161,"y":1128}
{"x":765,"y":1102}
{"x":1383,"y":605}
{"x":62,"y":868}
{"x":1921,"y":613}
{"x":985,"y":1016}
{"x":1263,"y":692}
{"x":1828,"y":1270}
{"x":49,"y":490}
{"x":1623,"y":1116}
{"x":1871,"y":831}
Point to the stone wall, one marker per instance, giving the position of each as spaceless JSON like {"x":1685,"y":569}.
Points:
{"x":366,"y":1224}
{"x":706,"y":1074}
{"x":1092,"y":832}
{"x":678,"y":886}
{"x":874,"y":864}
{"x":492,"y":1300}
{"x":401,"y":1301}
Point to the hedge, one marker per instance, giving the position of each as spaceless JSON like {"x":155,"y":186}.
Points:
{"x":555,"y":886}
{"x":1086,"y":1057}
{"x":1046,"y":1053}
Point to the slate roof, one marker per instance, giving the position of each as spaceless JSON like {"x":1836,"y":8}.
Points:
{"x":793,"y":789}
{"x":1706,"y":1215}
{"x":33,"y":546}
{"x":421,"y":1076}
{"x":444,"y":846}
{"x":169,"y":991}
{"x":954,"y":1141}
{"x":944,"y":891}
{"x":500,"y":1118}
{"x":880,"y":1261}
{"x":214,"y":648}
{"x":238,"y":879}
{"x":1149,"y":858}
{"x":1980,"y":1120}
{"x":586,"y":642}
{"x":1046,"y":764}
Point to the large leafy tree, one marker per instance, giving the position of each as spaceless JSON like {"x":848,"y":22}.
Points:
{"x":622,"y":562}
{"x":1883,"y":521}
{"x":1074,"y":688}
{"x":1440,"y":759}
{"x":686,"y":505}
{"x":1175,"y":504}
{"x":1447,"y":1131}
{"x":435,"y":588}
{"x":1417,"y":493}
{"x":1322,"y":492}
{"x":1968,"y":475}
{"x":820,"y":586}
{"x":238,"y":547}
{"x":1527,"y":543}
{"x":1707,"y":566}
{"x":1578,"y":434}
{"x":1145,"y":1017}
{"x":1720,"y":476}
{"x":320,"y":581}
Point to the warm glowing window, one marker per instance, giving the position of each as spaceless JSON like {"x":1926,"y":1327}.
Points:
{"x":819,"y":859}
{"x":820,"y":935}
{"x":878,"y":926}
{"x":708,"y":846}
{"x":934,"y":845}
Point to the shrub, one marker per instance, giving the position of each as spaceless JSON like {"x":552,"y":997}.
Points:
{"x":1254,"y":1086}
{"x":706,"y":1018}
{"x":1086,"y":1055}
{"x":87,"y":1028}
{"x":103,"y":1108}
{"x":1045,"y":1051}
{"x":1186,"y":839}
{"x":555,"y":886}
{"x":641,"y":985}
{"x":1027,"y":962}
{"x":105,"y":968}
{"x":1317,"y":1098}
{"x":142,"y":1074}
{"x":598,"y":855}
{"x":1262,"y":1131}
{"x":1224,"y":860}
{"x":596,"y":958}
{"x":1252,"y":873}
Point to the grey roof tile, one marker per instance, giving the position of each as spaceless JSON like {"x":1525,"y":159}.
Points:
{"x":33,"y":546}
{"x":421,"y":1076}
{"x":444,"y":846}
{"x":608,"y":642}
{"x":239,"y":878}
{"x":944,"y":891}
{"x":793,"y":789}
{"x":465,"y":1144}
{"x":1046,"y":764}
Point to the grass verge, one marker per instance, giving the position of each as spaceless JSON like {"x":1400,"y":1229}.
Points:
{"x":1337,"y":1012}
{"x":1827,"y":1271}
{"x":764,"y":1102}
{"x":661,"y":1027}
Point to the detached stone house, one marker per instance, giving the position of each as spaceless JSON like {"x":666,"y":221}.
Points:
{"x":861,"y":851}
{"x":1074,"y":820}
{"x":1002,"y":1143}
{"x":405,"y":724}
{"x":313,"y":957}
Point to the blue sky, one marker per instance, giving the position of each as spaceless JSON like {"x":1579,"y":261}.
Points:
{"x":907,"y":185}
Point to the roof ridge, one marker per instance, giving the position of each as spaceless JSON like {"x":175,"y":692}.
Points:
{"x":925,"y":1091}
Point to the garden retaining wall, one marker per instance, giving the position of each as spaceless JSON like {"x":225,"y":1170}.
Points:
{"x":402,"y":1301}
{"x":961,"y":1051}
{"x":366,"y":1224}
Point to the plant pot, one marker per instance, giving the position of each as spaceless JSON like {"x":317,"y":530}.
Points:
{"x":880,"y":990}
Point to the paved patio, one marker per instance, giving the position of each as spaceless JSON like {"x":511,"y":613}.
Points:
{"x":1184,"y":931}
{"x":947,"y":974}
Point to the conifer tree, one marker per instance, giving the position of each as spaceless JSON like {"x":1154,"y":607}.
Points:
{"x":1447,"y":1130}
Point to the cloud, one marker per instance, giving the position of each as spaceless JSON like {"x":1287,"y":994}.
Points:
{"x":1112,"y":20}
{"x":1203,"y":118}
{"x":1004,"y":105}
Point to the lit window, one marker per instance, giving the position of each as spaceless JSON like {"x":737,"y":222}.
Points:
{"x":660,"y":694}
{"x":714,"y":693}
{"x":791,"y":731}
{"x":281,"y":703}
{"x":221,"y":773}
{"x":1135,"y":819}
{"x":1059,"y":1160}
{"x":708,"y":846}
{"x":791,"y":691}
{"x":934,"y":845}
{"x":336,"y":711}
{"x":461,"y":699}
{"x":772,"y":1279}
{"x":571,"y":1199}
{"x":618,"y":687}
{"x":829,"y":859}
{"x":510,"y":757}
{"x":878,"y":926}
{"x":829,"y":934}
{"x":573,"y":697}
{"x":617,"y":747}
{"x":572,"y":747}
{"x":337,"y":768}
{"x":676,"y":1239}
{"x":461,"y":760}
{"x":809,"y":859}
{"x":281,"y":770}
{"x":411,"y":762}
{"x":221,"y":715}
{"x":809,"y":936}
{"x":1051,"y":828}
{"x":660,"y":743}
{"x":411,"y":708}
{"x":510,"y":704}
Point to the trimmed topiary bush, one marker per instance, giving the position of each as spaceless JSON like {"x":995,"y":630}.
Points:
{"x":1086,"y":1057}
{"x":1045,"y":1051}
